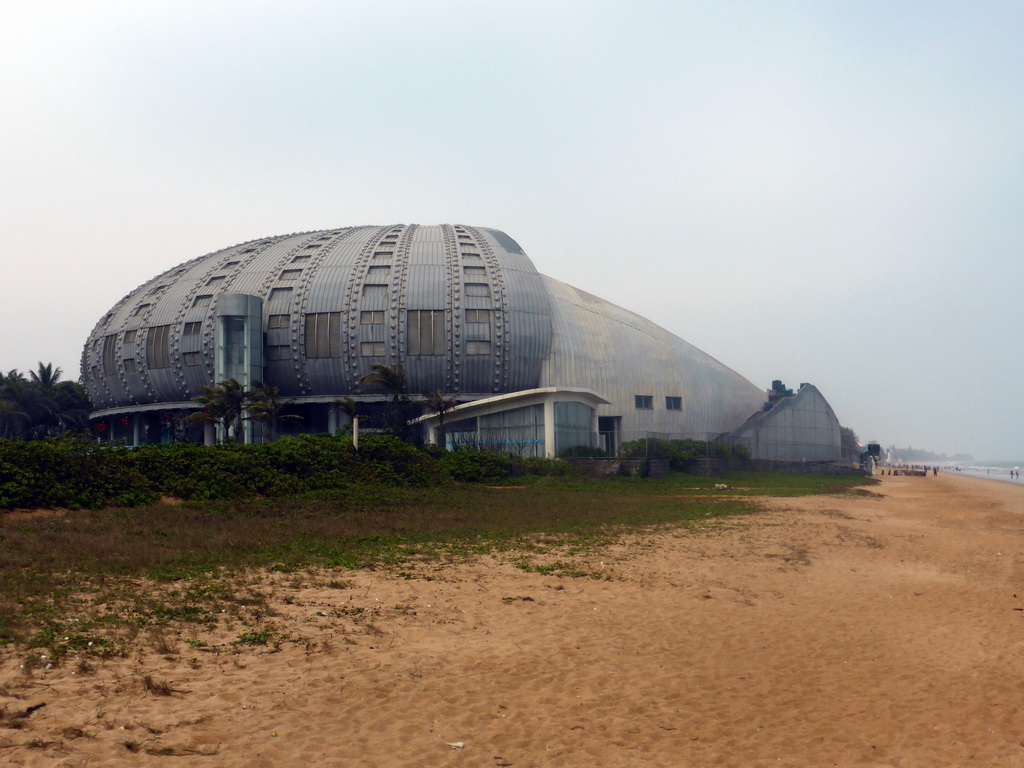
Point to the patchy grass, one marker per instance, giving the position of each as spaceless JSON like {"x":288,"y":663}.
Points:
{"x":87,"y":583}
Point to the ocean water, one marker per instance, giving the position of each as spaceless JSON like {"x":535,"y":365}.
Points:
{"x":987,"y":472}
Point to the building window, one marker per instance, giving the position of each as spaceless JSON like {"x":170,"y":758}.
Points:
{"x":280,"y":294}
{"x":215,"y":280}
{"x":474,"y":273}
{"x":644,"y":402}
{"x":289,"y":276}
{"x":372,"y":349}
{"x":383,"y":254}
{"x":109,"y":360}
{"x":377,"y":274}
{"x":129,"y":337}
{"x":323,"y":334}
{"x":279,"y":352}
{"x":277,"y":321}
{"x":478,"y":347}
{"x":478,"y":289}
{"x":230,"y":264}
{"x":140,"y":309}
{"x":673,"y":403}
{"x":192,"y":329}
{"x":157,"y":348}
{"x":129,"y":363}
{"x":300,"y":257}
{"x":425,"y":329}
{"x":379,"y":291}
{"x":472,"y":259}
{"x":478,"y":316}
{"x":193,"y":358}
{"x":156,"y":289}
{"x":373,"y":317}
{"x":202,"y":301}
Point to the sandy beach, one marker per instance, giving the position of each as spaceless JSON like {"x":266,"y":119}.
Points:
{"x":881,"y":629}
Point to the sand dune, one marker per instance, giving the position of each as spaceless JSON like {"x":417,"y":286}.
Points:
{"x":841,"y":630}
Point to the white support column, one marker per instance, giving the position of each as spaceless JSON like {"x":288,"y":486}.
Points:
{"x":549,"y":428}
{"x":136,"y":430}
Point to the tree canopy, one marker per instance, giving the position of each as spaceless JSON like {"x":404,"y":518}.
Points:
{"x":41,"y":404}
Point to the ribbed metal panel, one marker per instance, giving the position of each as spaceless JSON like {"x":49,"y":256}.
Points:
{"x":620,"y":355}
{"x":541,"y":332}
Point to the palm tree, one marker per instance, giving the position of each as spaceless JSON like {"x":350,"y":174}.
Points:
{"x":29,"y":412}
{"x":391,"y":378}
{"x":438,"y":403}
{"x":46,"y":376}
{"x":223,"y":404}
{"x":265,"y":407}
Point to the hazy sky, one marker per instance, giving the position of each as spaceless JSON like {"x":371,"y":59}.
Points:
{"x":830,"y":192}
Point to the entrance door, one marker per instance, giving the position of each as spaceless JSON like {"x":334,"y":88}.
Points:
{"x":608,"y":433}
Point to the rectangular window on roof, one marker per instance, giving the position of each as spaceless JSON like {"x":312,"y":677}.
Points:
{"x":425,"y":329}
{"x":372,"y":349}
{"x":289,"y":276}
{"x":379,"y":274}
{"x":158,"y":352}
{"x":129,"y":364}
{"x":478,"y":316}
{"x":193,"y":358}
{"x":300,"y":257}
{"x":673,"y":403}
{"x":280,"y":294}
{"x":215,"y":280}
{"x":279,"y":352}
{"x":202,"y":301}
{"x":192,"y":329}
{"x":474,"y":273}
{"x":374,"y":317}
{"x":278,"y":321}
{"x":156,"y":289}
{"x":323,"y":334}
{"x":478,"y":347}
{"x":644,"y":402}
{"x":129,"y":337}
{"x":230,"y":264}
{"x":376,"y":290}
{"x":109,"y":359}
{"x":140,"y":309}
{"x":478,"y":289}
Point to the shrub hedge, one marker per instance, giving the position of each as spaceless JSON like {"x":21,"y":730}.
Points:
{"x":76,"y":472}
{"x":681,"y":453}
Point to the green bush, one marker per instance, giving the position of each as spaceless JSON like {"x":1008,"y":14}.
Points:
{"x":75,"y":472}
{"x":680,"y":453}
{"x":475,"y":466}
{"x":68,"y":472}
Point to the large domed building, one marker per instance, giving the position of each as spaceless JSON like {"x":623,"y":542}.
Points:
{"x":532,"y":361}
